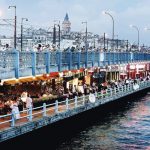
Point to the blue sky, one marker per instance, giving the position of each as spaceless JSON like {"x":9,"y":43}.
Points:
{"x":42,"y":13}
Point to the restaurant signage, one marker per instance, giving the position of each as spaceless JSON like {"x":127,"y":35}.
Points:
{"x":132,"y":66}
{"x":113,"y":68}
{"x":54,"y":74}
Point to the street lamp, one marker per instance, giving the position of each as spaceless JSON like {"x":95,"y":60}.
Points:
{"x":138,"y":31}
{"x":85,"y":22}
{"x":58,"y":31}
{"x":113,"y":29}
{"x":15,"y":31}
{"x":54,"y":35}
{"x":22,"y":30}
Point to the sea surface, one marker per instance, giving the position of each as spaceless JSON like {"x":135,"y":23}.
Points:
{"x":126,"y":128}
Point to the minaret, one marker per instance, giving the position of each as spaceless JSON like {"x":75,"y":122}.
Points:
{"x":66,"y":25}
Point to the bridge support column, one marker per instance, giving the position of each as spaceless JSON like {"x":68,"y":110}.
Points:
{"x":86,"y":59}
{"x":60,"y":61}
{"x":47,"y":62}
{"x":99,"y":60}
{"x":79,"y":59}
{"x":33,"y":63}
{"x":70,"y":60}
{"x":17,"y":73}
{"x":93,"y":56}
{"x":114,"y":61}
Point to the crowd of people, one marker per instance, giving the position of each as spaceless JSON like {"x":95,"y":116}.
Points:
{"x":25,"y":98}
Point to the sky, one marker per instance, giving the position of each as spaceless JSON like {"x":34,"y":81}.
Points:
{"x":42,"y":13}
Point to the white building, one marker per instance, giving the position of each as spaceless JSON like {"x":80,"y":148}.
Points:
{"x":6,"y":42}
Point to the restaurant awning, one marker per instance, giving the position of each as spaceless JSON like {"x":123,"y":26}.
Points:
{"x":123,"y":74}
{"x":23,"y":79}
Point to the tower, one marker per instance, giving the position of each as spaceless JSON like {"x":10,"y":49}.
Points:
{"x":66,"y":25}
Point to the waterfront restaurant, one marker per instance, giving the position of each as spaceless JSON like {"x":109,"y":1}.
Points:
{"x":140,"y":69}
{"x":123,"y":71}
{"x":147,"y":68}
{"x":131,"y":70}
{"x":113,"y":72}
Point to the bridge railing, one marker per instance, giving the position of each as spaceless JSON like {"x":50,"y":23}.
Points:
{"x":102,"y":97}
{"x":15,"y":64}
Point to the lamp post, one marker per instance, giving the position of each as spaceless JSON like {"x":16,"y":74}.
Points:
{"x":113,"y":28}
{"x":59,"y":34}
{"x":22,"y":31}
{"x":104,"y":42}
{"x":47,"y":34}
{"x":116,"y":40}
{"x":58,"y":24}
{"x":54,"y":35}
{"x":138,"y":31}
{"x":15,"y":31}
{"x":85,"y":35}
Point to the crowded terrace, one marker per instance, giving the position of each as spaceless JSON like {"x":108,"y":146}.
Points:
{"x":66,"y":84}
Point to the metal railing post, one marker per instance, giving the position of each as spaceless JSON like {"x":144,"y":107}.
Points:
{"x":56,"y":106}
{"x":30,"y":114}
{"x":131,"y":87}
{"x":122,"y":89}
{"x":106,"y":93}
{"x":13,"y":119}
{"x":128,"y":87}
{"x":95,"y":95}
{"x":110,"y":91}
{"x":83,"y":99}
{"x":44,"y":109}
{"x":125,"y":88}
{"x":76,"y":101}
{"x":115,"y":90}
{"x":67,"y":106}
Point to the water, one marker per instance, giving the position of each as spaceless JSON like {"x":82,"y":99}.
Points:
{"x":127,"y":128}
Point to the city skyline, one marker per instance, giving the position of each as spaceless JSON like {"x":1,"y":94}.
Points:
{"x":42,"y":13}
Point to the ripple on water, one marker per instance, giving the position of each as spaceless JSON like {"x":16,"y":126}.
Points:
{"x":127,"y":129}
